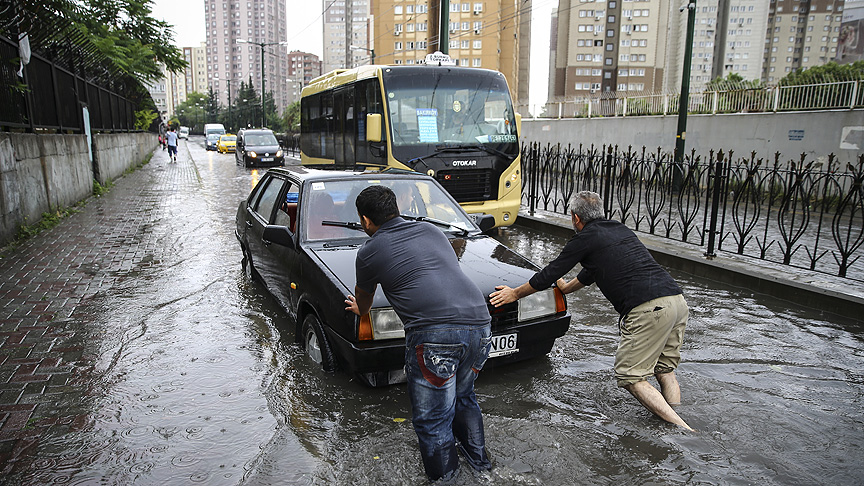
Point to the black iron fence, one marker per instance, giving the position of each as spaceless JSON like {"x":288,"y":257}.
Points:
{"x":803,"y":213}
{"x":52,"y":97}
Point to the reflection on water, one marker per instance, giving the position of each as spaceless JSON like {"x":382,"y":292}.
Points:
{"x":198,"y":380}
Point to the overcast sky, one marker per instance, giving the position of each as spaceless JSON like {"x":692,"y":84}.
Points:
{"x":305,"y":31}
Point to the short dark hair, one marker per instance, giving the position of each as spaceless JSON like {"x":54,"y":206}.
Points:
{"x":378,"y":203}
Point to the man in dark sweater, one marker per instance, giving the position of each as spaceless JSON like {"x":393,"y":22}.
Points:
{"x":652,"y":310}
{"x":447,"y":328}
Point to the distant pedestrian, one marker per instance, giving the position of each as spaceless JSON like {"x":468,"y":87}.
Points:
{"x":652,"y":310}
{"x":171,"y":139}
{"x":447,"y":328}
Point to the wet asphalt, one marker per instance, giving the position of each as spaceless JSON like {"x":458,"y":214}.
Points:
{"x":135,"y":350}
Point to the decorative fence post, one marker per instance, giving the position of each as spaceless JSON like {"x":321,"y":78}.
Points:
{"x":716,"y":187}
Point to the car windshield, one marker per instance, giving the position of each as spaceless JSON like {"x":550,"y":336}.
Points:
{"x":228,"y":138}
{"x":460,"y":108}
{"x":261,"y":139}
{"x":334,"y":201}
{"x":213,"y":138}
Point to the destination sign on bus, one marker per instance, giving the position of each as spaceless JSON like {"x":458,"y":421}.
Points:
{"x":439,"y":59}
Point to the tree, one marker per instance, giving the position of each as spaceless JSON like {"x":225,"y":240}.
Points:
{"x":145,"y":118}
{"x":291,"y":118}
{"x":191,"y":113}
{"x":827,"y":73}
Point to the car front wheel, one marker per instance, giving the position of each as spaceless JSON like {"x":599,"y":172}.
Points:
{"x":316,"y":344}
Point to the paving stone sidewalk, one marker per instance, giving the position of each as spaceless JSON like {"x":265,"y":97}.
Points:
{"x":46,"y":284}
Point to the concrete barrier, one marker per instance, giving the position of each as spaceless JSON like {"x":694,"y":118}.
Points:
{"x":42,"y":173}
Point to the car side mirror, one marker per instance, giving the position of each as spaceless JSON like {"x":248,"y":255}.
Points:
{"x":279,"y":235}
{"x":486,"y":222}
{"x":373,"y":127}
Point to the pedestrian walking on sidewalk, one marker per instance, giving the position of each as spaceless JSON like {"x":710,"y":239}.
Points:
{"x":447,"y":328}
{"x":171,"y":139}
{"x":652,"y":310}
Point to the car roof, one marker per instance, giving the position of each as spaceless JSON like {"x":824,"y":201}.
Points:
{"x":305,"y":174}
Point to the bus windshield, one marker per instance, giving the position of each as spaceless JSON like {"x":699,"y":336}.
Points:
{"x":456,"y":107}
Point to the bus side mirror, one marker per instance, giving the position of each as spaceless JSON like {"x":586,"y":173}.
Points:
{"x":373,"y":127}
{"x":518,"y":124}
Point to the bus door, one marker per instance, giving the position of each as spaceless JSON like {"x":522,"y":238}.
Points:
{"x":345,"y":125}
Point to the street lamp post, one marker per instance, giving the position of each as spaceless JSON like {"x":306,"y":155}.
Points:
{"x":262,"y":45}
{"x":370,"y":51}
{"x":683,"y":102}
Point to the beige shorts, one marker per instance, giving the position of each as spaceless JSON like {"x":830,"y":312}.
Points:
{"x":651,"y":337}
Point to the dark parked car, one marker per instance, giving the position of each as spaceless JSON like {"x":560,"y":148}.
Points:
{"x":211,"y":141}
{"x":258,"y":147}
{"x":299,"y":232}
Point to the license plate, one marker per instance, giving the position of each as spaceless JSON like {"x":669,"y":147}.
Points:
{"x":475,"y":216}
{"x":267,"y":159}
{"x":503,"y":345}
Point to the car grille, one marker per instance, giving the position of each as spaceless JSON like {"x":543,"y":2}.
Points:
{"x":467,"y":185}
{"x":505,"y":316}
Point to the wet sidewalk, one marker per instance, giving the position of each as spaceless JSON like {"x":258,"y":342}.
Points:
{"x":47,"y":280}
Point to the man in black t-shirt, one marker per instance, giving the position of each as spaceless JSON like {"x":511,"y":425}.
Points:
{"x":653,"y":311}
{"x":447,"y":328}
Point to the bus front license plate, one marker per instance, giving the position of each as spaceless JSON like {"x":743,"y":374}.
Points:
{"x":504,"y":345}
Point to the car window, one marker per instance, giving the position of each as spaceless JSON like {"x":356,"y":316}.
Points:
{"x":261,"y":139}
{"x":287,"y":214}
{"x":335,"y":201}
{"x":264,"y":205}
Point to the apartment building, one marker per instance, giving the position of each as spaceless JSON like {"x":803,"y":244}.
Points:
{"x":237,"y":33}
{"x":303,"y":67}
{"x":485,"y":34}
{"x":196,"y":71}
{"x":339,"y":54}
{"x":638,"y":45}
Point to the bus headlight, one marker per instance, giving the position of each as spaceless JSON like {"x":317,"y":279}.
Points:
{"x":538,"y":304}
{"x":386,"y":324}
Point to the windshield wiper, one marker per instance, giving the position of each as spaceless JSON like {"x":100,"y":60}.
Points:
{"x":437,"y":222}
{"x":343,"y":224}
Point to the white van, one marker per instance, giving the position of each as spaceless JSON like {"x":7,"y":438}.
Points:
{"x":184,"y":133}
{"x":212,"y":131}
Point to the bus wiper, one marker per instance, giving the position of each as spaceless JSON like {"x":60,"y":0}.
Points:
{"x":343,"y":224}
{"x":489,"y":150}
{"x":439,"y":149}
{"x":437,"y":222}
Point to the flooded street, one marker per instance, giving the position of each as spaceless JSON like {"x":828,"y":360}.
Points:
{"x":196,"y":378}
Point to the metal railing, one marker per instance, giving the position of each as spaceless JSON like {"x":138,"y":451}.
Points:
{"x":823,"y":96}
{"x":801,"y":213}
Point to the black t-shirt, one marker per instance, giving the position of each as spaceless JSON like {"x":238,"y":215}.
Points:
{"x":420,"y":275}
{"x":612,"y":256}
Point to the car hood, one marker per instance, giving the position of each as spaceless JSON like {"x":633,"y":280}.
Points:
{"x":485,"y":261}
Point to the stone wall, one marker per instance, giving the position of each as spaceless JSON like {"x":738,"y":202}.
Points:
{"x":815,"y":134}
{"x":41,"y":173}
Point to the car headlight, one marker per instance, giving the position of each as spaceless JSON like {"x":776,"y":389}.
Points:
{"x":278,"y":153}
{"x":538,"y":304}
{"x":386,"y":324}
{"x":253,"y":154}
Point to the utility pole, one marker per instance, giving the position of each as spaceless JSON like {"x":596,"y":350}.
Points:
{"x":444,"y":28}
{"x":262,"y":45}
{"x":684,"y":101}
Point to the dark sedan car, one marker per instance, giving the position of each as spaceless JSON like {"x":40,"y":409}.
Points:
{"x":258,"y":148}
{"x":299,"y":232}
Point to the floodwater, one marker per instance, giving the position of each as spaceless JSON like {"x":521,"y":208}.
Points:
{"x":197,"y":381}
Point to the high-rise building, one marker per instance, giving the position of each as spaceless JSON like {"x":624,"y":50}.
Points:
{"x":303,"y":67}
{"x":196,"y":71}
{"x":638,"y":45}
{"x":338,"y":53}
{"x":485,"y":34}
{"x":237,"y":33}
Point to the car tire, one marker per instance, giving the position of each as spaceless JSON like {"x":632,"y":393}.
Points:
{"x":315,"y":343}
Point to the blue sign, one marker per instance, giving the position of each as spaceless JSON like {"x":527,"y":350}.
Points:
{"x":427,"y":124}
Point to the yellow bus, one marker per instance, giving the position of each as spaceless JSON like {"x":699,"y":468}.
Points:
{"x":456,"y":124}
